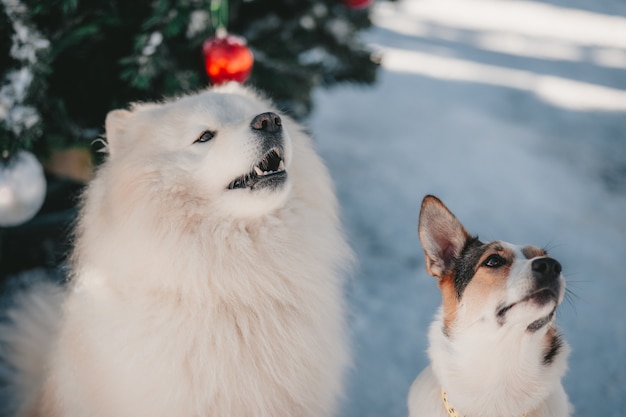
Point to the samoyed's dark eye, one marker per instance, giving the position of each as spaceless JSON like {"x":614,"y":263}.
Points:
{"x":494,"y":261}
{"x":206,"y":136}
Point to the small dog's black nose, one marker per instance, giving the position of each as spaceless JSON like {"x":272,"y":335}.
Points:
{"x":267,"y":122}
{"x":546,"y":268}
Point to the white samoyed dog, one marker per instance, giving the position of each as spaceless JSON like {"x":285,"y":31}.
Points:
{"x":206,"y":278}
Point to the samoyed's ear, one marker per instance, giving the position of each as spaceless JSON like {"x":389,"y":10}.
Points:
{"x":115,"y":125}
{"x":442,"y":235}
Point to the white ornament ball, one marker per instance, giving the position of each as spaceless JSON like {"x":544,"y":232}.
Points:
{"x":22,"y":189}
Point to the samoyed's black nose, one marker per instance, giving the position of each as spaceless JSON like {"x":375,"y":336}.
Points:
{"x":267,"y":123}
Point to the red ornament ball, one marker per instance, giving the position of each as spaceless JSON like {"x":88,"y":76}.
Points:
{"x":356,"y":4}
{"x":227,"y":58}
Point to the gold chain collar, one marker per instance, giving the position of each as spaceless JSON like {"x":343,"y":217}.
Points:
{"x":451,"y":411}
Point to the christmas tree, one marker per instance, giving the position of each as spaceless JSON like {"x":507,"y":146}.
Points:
{"x":66,"y":63}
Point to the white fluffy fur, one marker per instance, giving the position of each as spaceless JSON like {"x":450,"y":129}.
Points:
{"x":489,"y":374}
{"x":188,"y":299}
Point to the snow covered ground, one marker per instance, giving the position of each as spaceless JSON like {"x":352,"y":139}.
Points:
{"x":514,"y":114}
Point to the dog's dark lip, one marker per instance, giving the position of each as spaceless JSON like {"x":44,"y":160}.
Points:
{"x":539,"y":323}
{"x":270,"y":171}
{"x":540,"y":297}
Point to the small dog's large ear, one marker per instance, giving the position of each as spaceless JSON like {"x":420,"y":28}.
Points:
{"x":442,"y":235}
{"x":115,"y":125}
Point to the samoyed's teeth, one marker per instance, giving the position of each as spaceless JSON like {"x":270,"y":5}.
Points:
{"x":258,"y":171}
{"x":281,"y":166}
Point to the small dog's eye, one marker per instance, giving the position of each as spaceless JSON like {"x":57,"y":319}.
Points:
{"x":206,"y":136}
{"x":494,"y":261}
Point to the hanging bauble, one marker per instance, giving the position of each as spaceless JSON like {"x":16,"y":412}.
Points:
{"x":356,"y":4}
{"x":22,"y":188}
{"x":227,"y":58}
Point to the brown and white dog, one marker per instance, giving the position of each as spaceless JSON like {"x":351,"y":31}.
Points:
{"x":494,"y":348}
